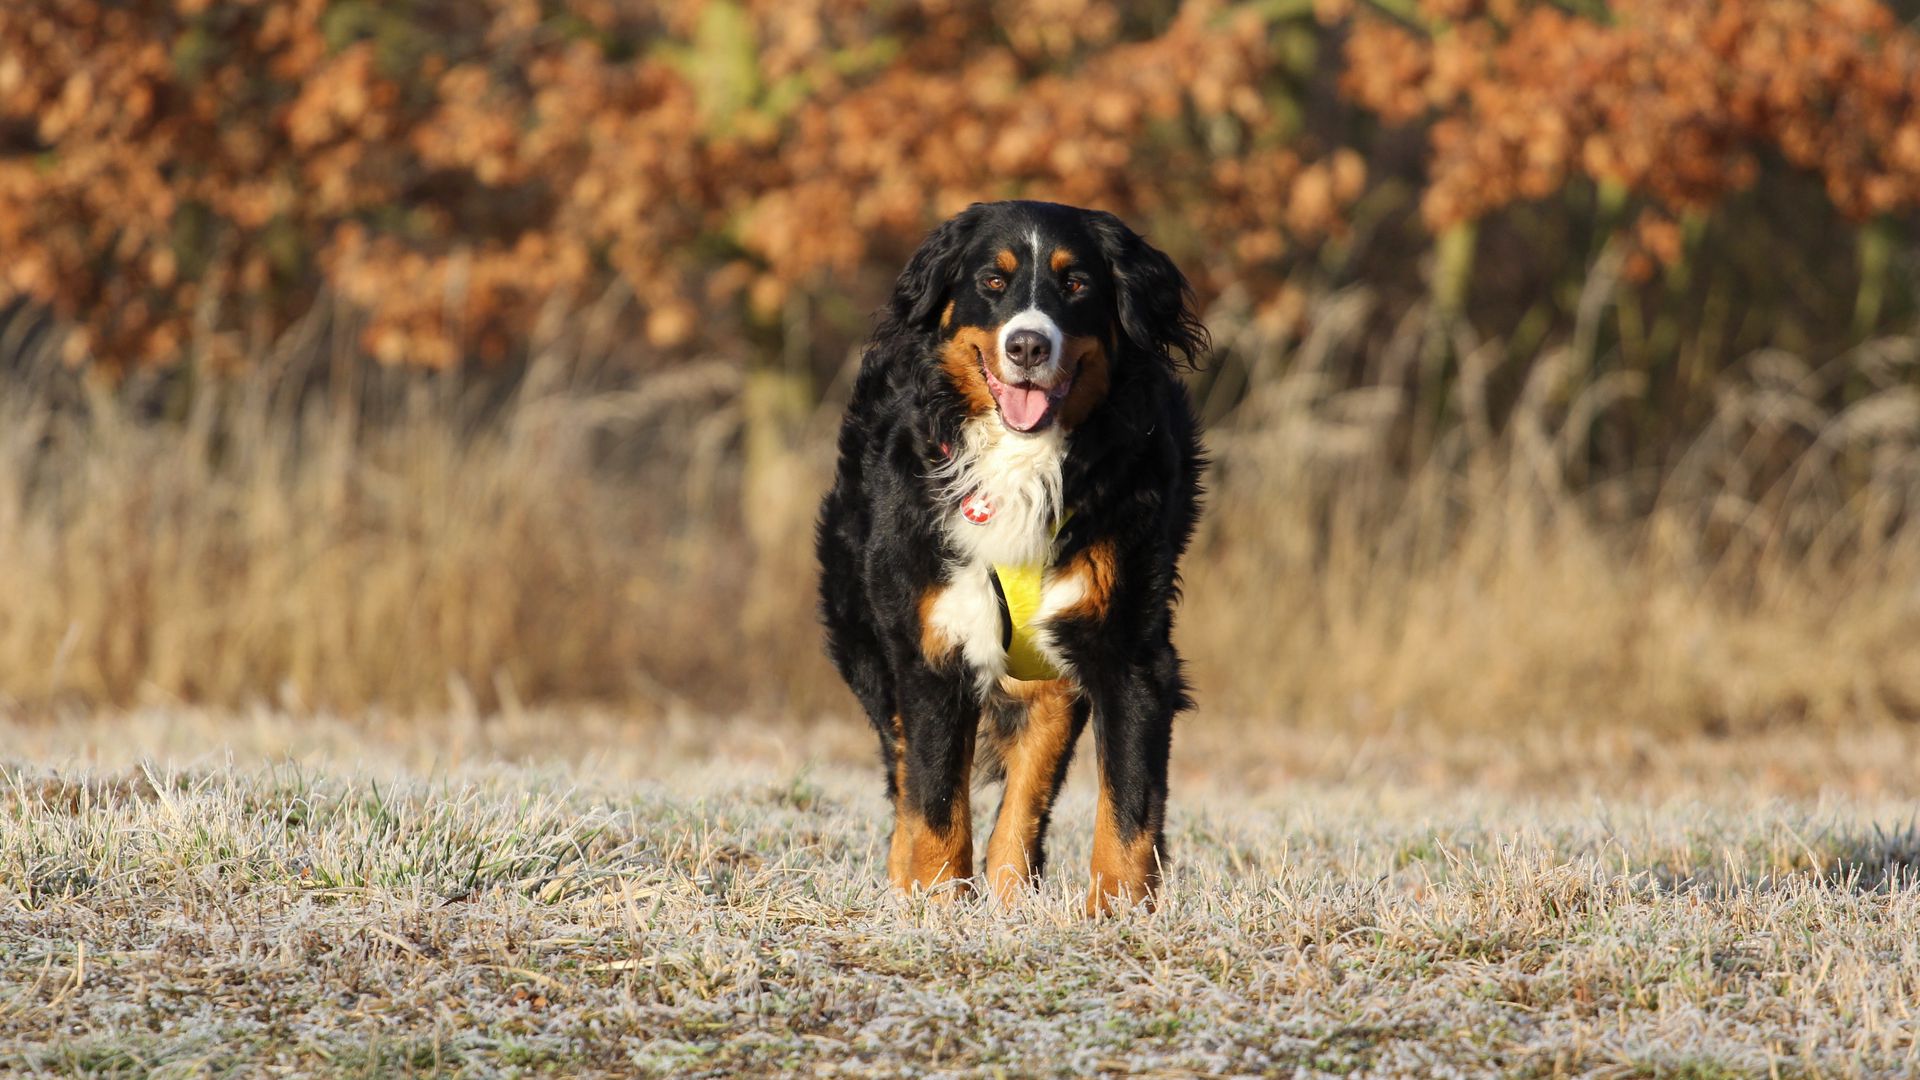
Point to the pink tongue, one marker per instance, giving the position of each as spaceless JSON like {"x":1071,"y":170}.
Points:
{"x":1023,"y":407}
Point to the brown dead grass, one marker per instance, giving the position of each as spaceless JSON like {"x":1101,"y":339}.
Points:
{"x":245,"y":553}
{"x":647,"y":544}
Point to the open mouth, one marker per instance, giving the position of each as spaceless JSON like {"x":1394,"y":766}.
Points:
{"x":1025,"y":406}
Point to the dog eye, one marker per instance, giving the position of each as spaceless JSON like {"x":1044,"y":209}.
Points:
{"x":1075,"y":286}
{"x":994,"y":282}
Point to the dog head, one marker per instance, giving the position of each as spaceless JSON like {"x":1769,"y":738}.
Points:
{"x":1039,"y":308}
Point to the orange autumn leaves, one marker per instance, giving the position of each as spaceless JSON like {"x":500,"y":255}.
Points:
{"x":209,"y":170}
{"x":1681,"y":102}
{"x":195,"y":176}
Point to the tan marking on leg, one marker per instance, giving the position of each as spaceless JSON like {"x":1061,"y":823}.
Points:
{"x":897,"y":848}
{"x":899,"y":756}
{"x":935,"y":644}
{"x":1062,"y":258}
{"x":920,"y":856}
{"x":946,"y":314}
{"x":1125,"y":872}
{"x":1032,"y":760}
{"x":1095,"y":566}
{"x":1087,"y":357}
{"x":925,"y":858}
{"x":1007,"y":260}
{"x":961,"y":362}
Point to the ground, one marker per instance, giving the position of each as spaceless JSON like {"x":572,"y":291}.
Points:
{"x":185,"y":893}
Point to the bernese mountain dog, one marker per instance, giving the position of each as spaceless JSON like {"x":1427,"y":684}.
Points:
{"x":1018,"y":475}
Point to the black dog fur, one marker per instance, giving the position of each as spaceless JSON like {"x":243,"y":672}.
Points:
{"x":1130,"y":486}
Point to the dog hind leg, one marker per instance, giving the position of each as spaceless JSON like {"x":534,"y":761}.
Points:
{"x":1034,"y":758}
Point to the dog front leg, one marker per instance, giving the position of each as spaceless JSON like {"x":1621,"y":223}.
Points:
{"x":1133,"y":710}
{"x":933,"y":767}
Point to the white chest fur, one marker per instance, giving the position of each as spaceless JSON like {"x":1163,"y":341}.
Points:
{"x":1018,"y":476}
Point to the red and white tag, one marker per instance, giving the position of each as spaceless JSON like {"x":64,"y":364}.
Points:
{"x":977,"y":509}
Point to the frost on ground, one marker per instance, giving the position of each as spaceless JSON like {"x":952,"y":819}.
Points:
{"x":184,"y":894}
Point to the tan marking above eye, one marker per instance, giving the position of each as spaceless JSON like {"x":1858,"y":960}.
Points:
{"x":1007,"y":260}
{"x":1062,"y":258}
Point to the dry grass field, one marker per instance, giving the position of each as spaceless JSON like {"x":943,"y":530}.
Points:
{"x":186,"y":893}
{"x":458,"y":543}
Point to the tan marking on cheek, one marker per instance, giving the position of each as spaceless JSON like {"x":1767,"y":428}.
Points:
{"x":1032,"y":759}
{"x":946,"y":315}
{"x":1096,"y":568}
{"x":1007,"y":261}
{"x":935,"y":644}
{"x":1088,"y":357}
{"x":1124,"y":872}
{"x":1062,"y":258}
{"x":961,"y":360}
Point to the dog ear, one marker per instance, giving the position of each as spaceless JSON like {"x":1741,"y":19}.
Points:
{"x":1156,"y":305}
{"x":922,"y":288}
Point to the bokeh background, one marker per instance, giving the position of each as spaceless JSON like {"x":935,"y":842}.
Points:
{"x":487,"y":354}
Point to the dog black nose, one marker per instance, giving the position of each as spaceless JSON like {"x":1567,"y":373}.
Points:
{"x":1028,"y":348}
